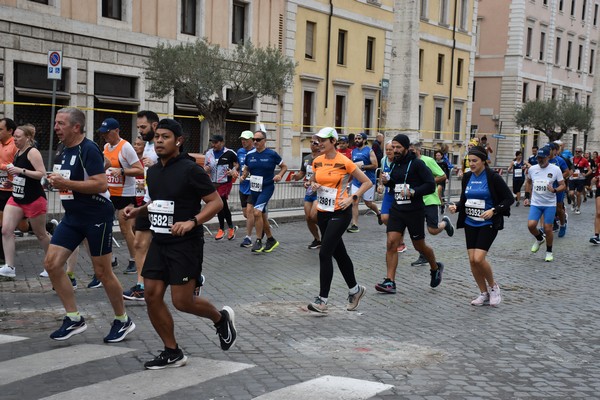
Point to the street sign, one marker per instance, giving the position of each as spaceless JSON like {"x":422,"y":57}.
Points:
{"x":55,"y":64}
{"x":498,"y":136}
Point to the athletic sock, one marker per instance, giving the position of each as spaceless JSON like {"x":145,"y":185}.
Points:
{"x":549,"y":249}
{"x":540,"y":237}
{"x":354,"y":290}
{"x":121,"y":318}
{"x":74,"y":316}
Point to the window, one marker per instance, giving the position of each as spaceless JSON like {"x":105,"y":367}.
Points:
{"x":340,"y":105}
{"x":40,"y":1}
{"x":188,"y":17}
{"x":576,"y":98}
{"x":459,"y":72}
{"x":592,"y":60}
{"x":421,"y":55}
{"x":368,"y":114}
{"x":370,"y":53}
{"x":538,"y":92}
{"x":560,"y":5}
{"x":545,"y":2}
{"x":444,"y":12}
{"x":114,"y":85}
{"x":440,"y":69}
{"x":557,"y":53}
{"x":583,"y":10}
{"x":554,"y":93}
{"x":457,"y":123}
{"x":423,"y":10}
{"x":573,"y":7}
{"x":238,"y":28}
{"x":595,"y":14}
{"x":528,"y":43}
{"x":33,"y":76}
{"x":341,"y":49}
{"x":464,"y":13}
{"x":309,"y":51}
{"x":525,"y":94}
{"x":569,"y":48}
{"x":111,"y":9}
{"x":474,"y":89}
{"x":588,"y":100}
{"x":307,"y":111}
{"x":542,"y":45}
{"x":437,"y":123}
{"x":580,"y":57}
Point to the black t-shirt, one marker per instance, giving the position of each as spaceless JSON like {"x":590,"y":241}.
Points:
{"x":176,"y":191}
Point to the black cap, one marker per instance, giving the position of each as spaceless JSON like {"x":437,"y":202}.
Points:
{"x":402,"y":139}
{"x":217,"y":138}
{"x":171,"y":125}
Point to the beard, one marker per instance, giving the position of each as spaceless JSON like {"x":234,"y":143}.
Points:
{"x":148,"y":136}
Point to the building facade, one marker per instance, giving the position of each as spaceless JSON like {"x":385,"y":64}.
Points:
{"x":531,"y":50}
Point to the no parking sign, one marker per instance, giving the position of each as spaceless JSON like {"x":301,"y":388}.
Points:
{"x":54,"y":64}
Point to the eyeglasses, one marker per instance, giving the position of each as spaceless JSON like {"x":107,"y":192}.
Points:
{"x":314,"y":143}
{"x":577,"y":151}
{"x":258,"y":139}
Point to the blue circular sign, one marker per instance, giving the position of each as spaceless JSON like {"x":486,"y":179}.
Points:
{"x":54,"y":58}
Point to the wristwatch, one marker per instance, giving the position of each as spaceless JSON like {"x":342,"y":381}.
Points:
{"x":354,"y":197}
{"x":195,"y":221}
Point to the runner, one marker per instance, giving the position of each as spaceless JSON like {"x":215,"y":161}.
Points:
{"x":332,"y":172}
{"x":260,"y":166}
{"x":176,"y":250}
{"x":125,"y":165}
{"x":88,"y":214}
{"x":485,"y":200}
{"x":441,"y":187}
{"x":146,"y":125}
{"x":221,"y":164}
{"x":517,"y":167}
{"x":366,"y":161}
{"x":561,"y":215}
{"x":247,"y":147}
{"x":544,"y":181}
{"x":596,"y":181}
{"x":580,"y":171}
{"x":388,"y":196}
{"x":310,"y":198}
{"x":28,"y":199}
{"x":343,"y":147}
{"x":7,"y":155}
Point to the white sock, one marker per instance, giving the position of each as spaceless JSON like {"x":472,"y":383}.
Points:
{"x":354,"y":290}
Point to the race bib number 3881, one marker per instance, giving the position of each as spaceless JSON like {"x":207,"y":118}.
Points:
{"x":160,"y":214}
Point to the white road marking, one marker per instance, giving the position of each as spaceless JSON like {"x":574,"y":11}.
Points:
{"x":10,"y":339}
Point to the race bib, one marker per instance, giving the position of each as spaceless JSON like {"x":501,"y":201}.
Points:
{"x":540,"y":186}
{"x":474,"y":208}
{"x":140,"y":187}
{"x":401,"y":193}
{"x":309,"y":172}
{"x":326,"y":198}
{"x":518,"y":173}
{"x":114,"y":181}
{"x":3,"y":177}
{"x":65,"y":194}
{"x":576,"y":174}
{"x":160,"y":214}
{"x":256,"y":183}
{"x":18,"y":189}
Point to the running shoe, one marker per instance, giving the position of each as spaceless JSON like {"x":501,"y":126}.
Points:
{"x":354,"y":299}
{"x":270,"y":245}
{"x":119,"y":330}
{"x":199,"y":284}
{"x":562,"y":230}
{"x":379,"y":220}
{"x":495,"y":296}
{"x":226,"y":328}
{"x":315,"y":244}
{"x":402,"y":248}
{"x":541,"y":230}
{"x":231,"y":233}
{"x":549,"y":257}
{"x":68,"y":329}
{"x":420,"y":261}
{"x":73,"y":282}
{"x":44,"y":274}
{"x":436,"y":276}
{"x":131,"y":268}
{"x":577,"y":211}
{"x":318,"y":305}
{"x":353,"y":229}
{"x":220,"y":234}
{"x":167,"y":359}
{"x":537,"y":244}
{"x":449,"y":228}
{"x":517,"y":203}
{"x":7,"y":272}
{"x":387,"y":286}
{"x":595,"y":240}
{"x":247,"y":242}
{"x":115,"y":262}
{"x":136,"y":293}
{"x":95,"y":283}
{"x":555,"y":226}
{"x":258,"y":246}
{"x":481,"y":300}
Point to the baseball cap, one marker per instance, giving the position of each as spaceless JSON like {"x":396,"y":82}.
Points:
{"x":552,"y":146}
{"x":543,"y":152}
{"x":558,"y":142}
{"x":170,"y":124}
{"x":217,"y":138}
{"x":343,"y":138}
{"x":108,"y":125}
{"x":247,"y":135}
{"x":363,"y":135}
{"x":328,"y":132}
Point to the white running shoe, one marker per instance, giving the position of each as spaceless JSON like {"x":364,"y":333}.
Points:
{"x":7,"y":272}
{"x":495,"y":296}
{"x":536,"y":245}
{"x":482,"y":299}
{"x":549,"y":257}
{"x":44,"y":274}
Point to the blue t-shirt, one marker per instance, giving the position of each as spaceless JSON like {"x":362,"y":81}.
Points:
{"x":363,"y":155}
{"x":263,"y":165}
{"x":241,"y":155}
{"x":479,"y":199}
{"x":562,"y":164}
{"x":532,"y":160}
{"x":77,"y":163}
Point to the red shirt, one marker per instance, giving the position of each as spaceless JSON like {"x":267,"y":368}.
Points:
{"x":347,"y":152}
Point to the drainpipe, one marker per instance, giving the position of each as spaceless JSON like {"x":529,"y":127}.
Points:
{"x":452,"y":61}
{"x":328,"y":55}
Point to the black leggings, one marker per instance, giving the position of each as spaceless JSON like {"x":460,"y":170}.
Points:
{"x":332,"y":226}
{"x":225,"y":215}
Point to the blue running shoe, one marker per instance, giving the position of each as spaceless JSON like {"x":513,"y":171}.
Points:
{"x":247,"y":242}
{"x":119,"y":330}
{"x":562,"y":231}
{"x":387,"y":286}
{"x":95,"y":283}
{"x":68,"y":329}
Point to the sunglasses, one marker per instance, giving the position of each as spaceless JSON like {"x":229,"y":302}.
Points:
{"x":578,"y":151}
{"x":258,"y":139}
{"x":314,"y":143}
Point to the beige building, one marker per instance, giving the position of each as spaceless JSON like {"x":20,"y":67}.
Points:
{"x":531,"y":50}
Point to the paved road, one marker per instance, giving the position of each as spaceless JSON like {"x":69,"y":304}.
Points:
{"x":422,"y":343}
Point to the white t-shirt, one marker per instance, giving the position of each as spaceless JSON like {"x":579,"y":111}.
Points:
{"x":540,"y":178}
{"x":127,"y":157}
{"x":150,"y":153}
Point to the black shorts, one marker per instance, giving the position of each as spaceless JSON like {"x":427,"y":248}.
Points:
{"x":578,"y":184}
{"x":413,"y":220}
{"x":142,"y":223}
{"x":517,"y":185}
{"x":245,"y":199}
{"x":174,"y":263}
{"x":4,"y":196}
{"x":480,"y":237}
{"x":432,"y":216}
{"x":121,"y":202}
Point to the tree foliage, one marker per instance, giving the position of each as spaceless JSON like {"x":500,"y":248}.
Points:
{"x":555,"y":118}
{"x":199,"y":72}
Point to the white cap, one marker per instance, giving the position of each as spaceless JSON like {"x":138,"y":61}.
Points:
{"x":328,"y":132}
